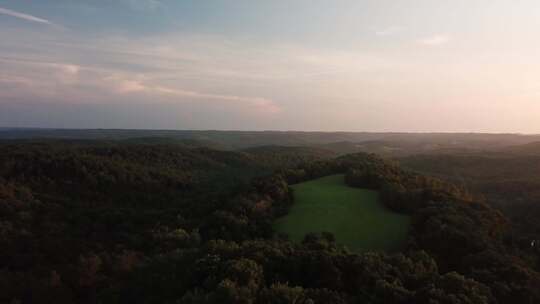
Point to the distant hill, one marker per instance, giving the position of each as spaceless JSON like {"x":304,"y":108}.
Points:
{"x":529,"y":148}
{"x":247,"y":139}
{"x":401,"y":148}
{"x":282,"y":157}
{"x":186,"y":143}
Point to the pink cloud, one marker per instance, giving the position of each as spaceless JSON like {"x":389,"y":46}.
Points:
{"x":128,"y":86}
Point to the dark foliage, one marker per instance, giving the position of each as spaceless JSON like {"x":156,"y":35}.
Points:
{"x":157,"y":223}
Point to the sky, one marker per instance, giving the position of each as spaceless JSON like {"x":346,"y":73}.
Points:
{"x":313,"y":65}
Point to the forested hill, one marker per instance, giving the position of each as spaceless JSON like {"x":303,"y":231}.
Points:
{"x":132,"y":222}
{"x":507,"y":178}
{"x":337,"y":141}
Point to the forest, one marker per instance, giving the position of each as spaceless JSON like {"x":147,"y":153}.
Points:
{"x":158,"y":221}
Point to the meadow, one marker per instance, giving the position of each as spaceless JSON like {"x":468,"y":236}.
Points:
{"x":354,"y":216}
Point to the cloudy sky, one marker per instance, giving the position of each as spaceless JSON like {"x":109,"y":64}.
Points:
{"x":373,"y":65}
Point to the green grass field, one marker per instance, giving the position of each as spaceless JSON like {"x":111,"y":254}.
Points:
{"x":355,"y":216}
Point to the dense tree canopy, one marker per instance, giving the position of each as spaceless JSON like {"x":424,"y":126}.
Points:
{"x":96,"y":222}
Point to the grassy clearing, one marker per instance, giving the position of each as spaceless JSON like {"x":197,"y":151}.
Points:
{"x":355,"y":216}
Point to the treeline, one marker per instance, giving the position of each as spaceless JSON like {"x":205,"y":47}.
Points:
{"x":138,"y":239}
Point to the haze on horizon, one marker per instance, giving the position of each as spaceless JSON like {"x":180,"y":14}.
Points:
{"x":375,"y":65}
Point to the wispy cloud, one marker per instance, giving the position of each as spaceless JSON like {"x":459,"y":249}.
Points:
{"x":65,"y":80}
{"x":126,"y":86}
{"x":435,"y":40}
{"x":183,"y":71}
{"x":389,"y":31}
{"x":23,"y":16}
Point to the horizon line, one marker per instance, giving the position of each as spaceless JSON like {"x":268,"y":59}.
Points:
{"x":2,"y":128}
